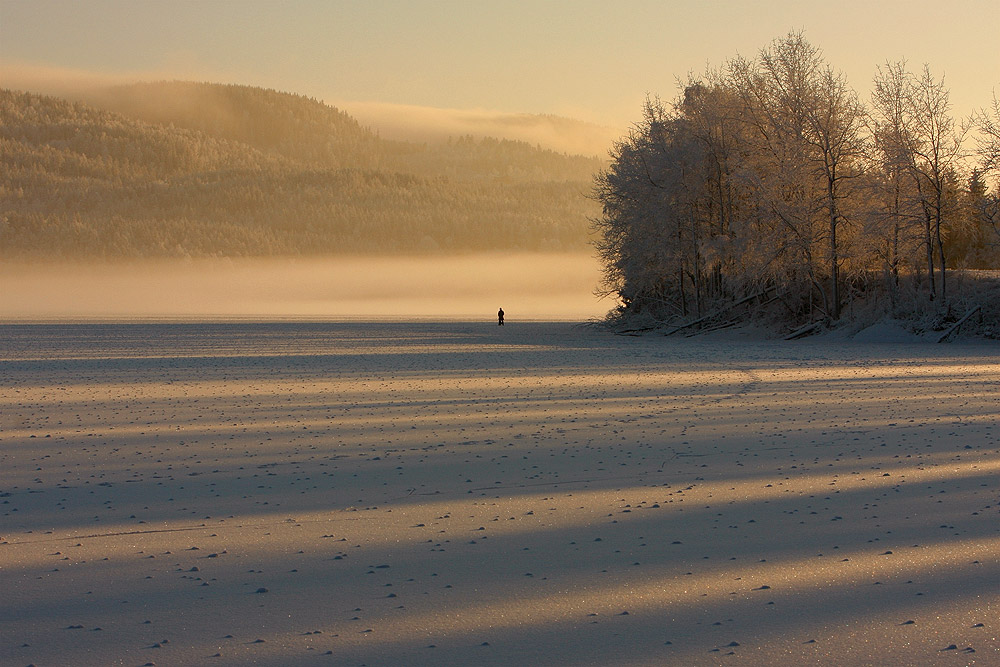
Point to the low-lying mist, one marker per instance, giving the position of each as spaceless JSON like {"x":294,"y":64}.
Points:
{"x":526,"y":286}
{"x":429,"y":124}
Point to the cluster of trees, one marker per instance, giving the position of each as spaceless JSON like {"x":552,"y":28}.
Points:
{"x":769,"y":176}
{"x":184,"y":169}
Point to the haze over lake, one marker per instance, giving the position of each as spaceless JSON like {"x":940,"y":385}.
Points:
{"x":527,"y":286}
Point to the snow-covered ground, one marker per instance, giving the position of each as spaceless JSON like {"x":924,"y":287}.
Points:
{"x":458,"y":493}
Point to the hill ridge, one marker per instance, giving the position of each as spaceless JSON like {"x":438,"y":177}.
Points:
{"x":266,"y":173}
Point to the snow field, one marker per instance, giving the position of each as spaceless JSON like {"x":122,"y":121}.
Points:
{"x":456,"y":493}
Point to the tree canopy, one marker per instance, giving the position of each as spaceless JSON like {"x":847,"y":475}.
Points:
{"x":769,"y":177}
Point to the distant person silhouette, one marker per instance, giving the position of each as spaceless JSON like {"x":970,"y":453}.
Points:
{"x":500,"y":317}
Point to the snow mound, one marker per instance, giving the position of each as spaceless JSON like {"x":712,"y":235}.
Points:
{"x":888,"y":330}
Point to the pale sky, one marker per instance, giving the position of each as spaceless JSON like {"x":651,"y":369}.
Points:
{"x":588,"y":59}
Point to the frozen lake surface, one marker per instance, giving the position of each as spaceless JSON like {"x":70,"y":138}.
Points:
{"x":456,"y":493}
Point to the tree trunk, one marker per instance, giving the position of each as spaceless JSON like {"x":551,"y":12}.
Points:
{"x":929,"y":242}
{"x":940,"y":248}
{"x":834,"y":259}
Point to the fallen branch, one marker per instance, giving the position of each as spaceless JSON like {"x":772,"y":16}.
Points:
{"x":717,"y":313}
{"x":812,"y":327}
{"x":633,"y":332}
{"x":954,"y":327}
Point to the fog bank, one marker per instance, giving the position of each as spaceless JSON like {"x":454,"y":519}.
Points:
{"x":429,"y":124}
{"x":527,"y":286}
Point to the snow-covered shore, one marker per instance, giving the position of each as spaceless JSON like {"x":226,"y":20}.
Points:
{"x":458,"y":493}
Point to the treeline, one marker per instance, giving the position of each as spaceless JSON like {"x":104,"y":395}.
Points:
{"x":771,"y":177}
{"x":181,"y":169}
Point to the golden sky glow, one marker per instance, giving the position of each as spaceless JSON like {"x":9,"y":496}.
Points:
{"x":590,"y":60}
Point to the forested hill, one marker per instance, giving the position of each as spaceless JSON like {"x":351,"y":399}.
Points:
{"x":296,"y":127}
{"x":186,"y":169}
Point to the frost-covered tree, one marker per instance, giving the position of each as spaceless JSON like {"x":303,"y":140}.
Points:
{"x":769,"y":176}
{"x":638,"y":230}
{"x":919,"y":135}
{"x":895,"y":215}
{"x":671,"y":209}
{"x":935,"y":153}
{"x":807,"y":137}
{"x":987,"y":122}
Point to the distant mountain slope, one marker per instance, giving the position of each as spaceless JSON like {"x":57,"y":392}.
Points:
{"x":207,"y":170}
{"x":294,"y":126}
{"x":309,"y":131}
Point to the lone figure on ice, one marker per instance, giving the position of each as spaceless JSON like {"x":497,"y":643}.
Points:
{"x":500,"y":317}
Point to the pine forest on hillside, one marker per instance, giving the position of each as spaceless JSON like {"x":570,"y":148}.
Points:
{"x":769,"y":181}
{"x":180,"y":169}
